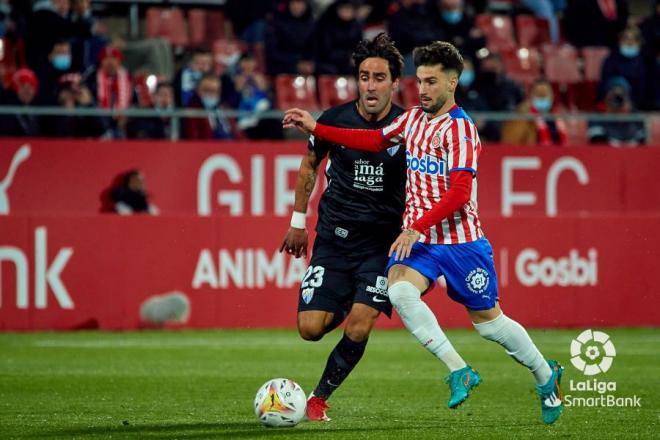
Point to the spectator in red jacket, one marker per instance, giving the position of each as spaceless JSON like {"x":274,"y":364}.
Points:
{"x":215,"y":125}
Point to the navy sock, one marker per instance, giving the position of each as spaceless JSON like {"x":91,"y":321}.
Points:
{"x":342,"y":360}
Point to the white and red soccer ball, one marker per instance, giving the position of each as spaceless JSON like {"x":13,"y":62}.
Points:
{"x":280,"y":403}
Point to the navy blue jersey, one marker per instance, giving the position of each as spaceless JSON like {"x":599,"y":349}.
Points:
{"x":363,"y":204}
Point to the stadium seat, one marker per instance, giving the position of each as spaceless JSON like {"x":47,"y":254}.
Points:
{"x":576,"y":131}
{"x":562,"y":69}
{"x":587,"y":93}
{"x":561,"y":64}
{"x":409,"y":92}
{"x":334,"y":90}
{"x":166,"y":23}
{"x":226,"y":52}
{"x":206,"y":26}
{"x":7,"y":61}
{"x":522,"y":65}
{"x":498,"y":30}
{"x":296,"y":91}
{"x":593,"y":62}
{"x":532,"y":31}
{"x":654,"y":131}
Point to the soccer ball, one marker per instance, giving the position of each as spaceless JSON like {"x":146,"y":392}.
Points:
{"x":280,"y":403}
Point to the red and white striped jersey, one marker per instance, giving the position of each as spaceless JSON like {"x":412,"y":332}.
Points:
{"x":434,"y":148}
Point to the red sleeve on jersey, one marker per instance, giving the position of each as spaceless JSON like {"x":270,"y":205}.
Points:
{"x":460,"y":188}
{"x":357,"y":139}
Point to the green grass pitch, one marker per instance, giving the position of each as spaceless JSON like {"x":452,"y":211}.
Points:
{"x":201,"y":384}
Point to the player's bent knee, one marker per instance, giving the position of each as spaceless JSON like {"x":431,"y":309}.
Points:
{"x":403,"y":292}
{"x":310,"y":333}
{"x":310,"y":329}
{"x":358,"y":333}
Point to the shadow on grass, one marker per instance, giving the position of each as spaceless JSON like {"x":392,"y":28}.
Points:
{"x":212,"y":430}
{"x":248,"y":429}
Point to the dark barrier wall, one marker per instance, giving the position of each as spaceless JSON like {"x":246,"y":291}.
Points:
{"x":574,"y":232}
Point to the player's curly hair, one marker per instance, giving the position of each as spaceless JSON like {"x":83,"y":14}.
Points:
{"x":439,"y":52}
{"x":383,"y":47}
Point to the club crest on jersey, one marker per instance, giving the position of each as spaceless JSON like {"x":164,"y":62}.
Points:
{"x":426,"y":165}
{"x":307,"y":294}
{"x":478,"y":280}
{"x":435,"y":142}
{"x":392,"y":150}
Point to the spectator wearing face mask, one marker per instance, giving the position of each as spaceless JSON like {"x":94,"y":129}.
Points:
{"x":52,"y":21}
{"x":49,"y":74}
{"x":613,"y":132}
{"x":458,"y":26}
{"x":186,"y":79}
{"x":627,"y":62}
{"x":544,"y":129}
{"x":215,"y":125}
{"x":466,"y":95}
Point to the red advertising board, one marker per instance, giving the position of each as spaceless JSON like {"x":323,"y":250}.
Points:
{"x":256,"y":179}
{"x":584,"y":254}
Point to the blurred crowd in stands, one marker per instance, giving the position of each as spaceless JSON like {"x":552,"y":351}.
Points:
{"x":537,"y":57}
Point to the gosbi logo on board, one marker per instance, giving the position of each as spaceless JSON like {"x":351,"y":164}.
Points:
{"x":574,"y":269}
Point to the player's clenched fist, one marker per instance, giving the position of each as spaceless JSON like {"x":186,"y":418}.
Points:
{"x":300,"y":119}
{"x":403,"y":244}
{"x":295,"y":242}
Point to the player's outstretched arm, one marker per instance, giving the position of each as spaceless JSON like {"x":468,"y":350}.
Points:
{"x":357,"y":139}
{"x":296,"y":240}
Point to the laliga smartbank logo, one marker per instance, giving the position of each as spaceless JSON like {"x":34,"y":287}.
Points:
{"x":593,"y":353}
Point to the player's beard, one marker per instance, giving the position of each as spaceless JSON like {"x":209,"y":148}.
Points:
{"x":437,"y":105}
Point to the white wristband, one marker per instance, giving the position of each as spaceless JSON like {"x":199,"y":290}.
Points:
{"x":298,"y":220}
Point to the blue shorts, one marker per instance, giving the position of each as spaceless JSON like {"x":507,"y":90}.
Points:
{"x":467,"y":267}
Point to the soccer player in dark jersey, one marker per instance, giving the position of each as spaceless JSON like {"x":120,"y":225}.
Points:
{"x":360,"y":212}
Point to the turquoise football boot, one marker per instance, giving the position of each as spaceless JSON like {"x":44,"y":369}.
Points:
{"x":550,"y":393}
{"x":461,"y":382}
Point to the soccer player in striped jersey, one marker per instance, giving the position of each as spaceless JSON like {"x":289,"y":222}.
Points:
{"x":442,"y":235}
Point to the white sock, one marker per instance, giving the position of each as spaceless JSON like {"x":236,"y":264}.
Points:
{"x":517,"y":343}
{"x":421,"y":322}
